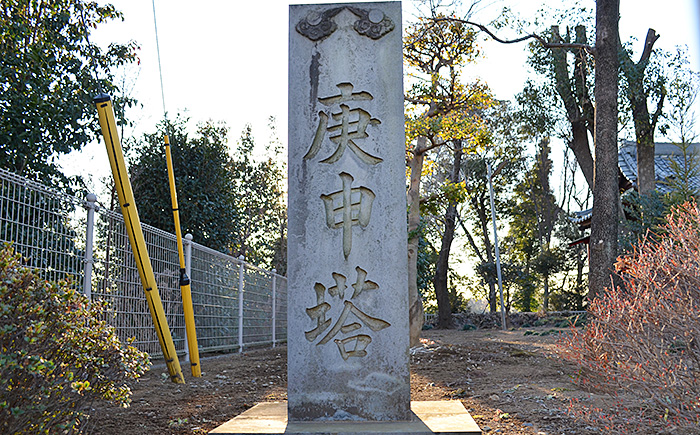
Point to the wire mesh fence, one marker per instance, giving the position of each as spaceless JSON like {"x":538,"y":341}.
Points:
{"x":235,"y":304}
{"x":42,"y":225}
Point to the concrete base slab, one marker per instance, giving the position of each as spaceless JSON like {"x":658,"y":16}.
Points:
{"x":438,"y":417}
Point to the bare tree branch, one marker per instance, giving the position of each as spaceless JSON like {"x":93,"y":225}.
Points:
{"x":470,"y":239}
{"x":541,"y":40}
{"x":651,"y":38}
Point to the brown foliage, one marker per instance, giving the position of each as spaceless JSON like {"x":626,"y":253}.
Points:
{"x":641,"y":345}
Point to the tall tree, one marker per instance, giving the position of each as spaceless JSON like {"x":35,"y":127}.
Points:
{"x":440,"y":109}
{"x":203,"y":177}
{"x":640,"y":85}
{"x":259,"y":196}
{"x":442,"y":266}
{"x":475,"y":214}
{"x":605,"y":170}
{"x":47,"y":81}
{"x":642,"y":82}
{"x":565,"y":62}
{"x":606,"y":196}
{"x":533,"y":221}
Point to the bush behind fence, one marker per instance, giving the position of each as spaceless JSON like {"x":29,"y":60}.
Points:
{"x":235,"y":304}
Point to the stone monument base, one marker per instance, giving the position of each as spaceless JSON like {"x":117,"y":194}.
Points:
{"x":439,"y":417}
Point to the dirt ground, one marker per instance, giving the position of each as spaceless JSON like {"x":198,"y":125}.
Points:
{"x":510,"y":382}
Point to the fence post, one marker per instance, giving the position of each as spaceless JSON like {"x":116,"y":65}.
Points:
{"x":241,"y":272}
{"x":187,"y":243}
{"x":91,"y":198}
{"x":188,"y":254}
{"x":274,"y":306}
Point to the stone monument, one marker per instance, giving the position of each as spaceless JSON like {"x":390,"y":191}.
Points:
{"x":347,"y":270}
{"x":347,"y":310}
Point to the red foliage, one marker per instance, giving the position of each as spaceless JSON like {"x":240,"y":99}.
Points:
{"x":641,"y":345}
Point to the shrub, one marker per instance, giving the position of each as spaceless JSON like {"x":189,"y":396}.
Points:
{"x":56,"y":356}
{"x":581,"y":320}
{"x":641,"y":342}
{"x":541,"y":322}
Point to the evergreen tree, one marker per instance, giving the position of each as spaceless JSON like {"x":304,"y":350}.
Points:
{"x":232,"y":204}
{"x":259,"y":197}
{"x":47,"y":82}
{"x":532,"y":227}
{"x":203,"y":178}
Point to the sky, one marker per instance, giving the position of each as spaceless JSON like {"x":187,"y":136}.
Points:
{"x":226,"y":60}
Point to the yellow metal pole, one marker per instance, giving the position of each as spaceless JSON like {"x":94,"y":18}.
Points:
{"x":184,"y":279}
{"x":105,"y":112}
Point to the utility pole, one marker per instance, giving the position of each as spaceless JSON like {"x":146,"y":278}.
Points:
{"x":495,"y":238}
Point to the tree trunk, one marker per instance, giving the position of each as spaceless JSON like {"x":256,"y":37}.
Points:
{"x":644,"y":124}
{"x":442,"y":267}
{"x":604,"y":222}
{"x":573,"y":99}
{"x":581,"y":83}
{"x":492,"y":295}
{"x":646,"y":172}
{"x":415,"y":304}
{"x":582,"y":150}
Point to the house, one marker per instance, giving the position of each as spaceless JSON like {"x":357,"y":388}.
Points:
{"x":665,"y":153}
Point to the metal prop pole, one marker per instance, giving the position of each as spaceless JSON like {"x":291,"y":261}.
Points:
{"x":105,"y":112}
{"x":185,"y":289}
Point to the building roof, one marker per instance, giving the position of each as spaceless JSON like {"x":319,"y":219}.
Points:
{"x":581,"y":216}
{"x":627,"y":162}
{"x":664,"y":154}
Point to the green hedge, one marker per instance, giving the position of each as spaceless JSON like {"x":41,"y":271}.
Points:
{"x":57,"y":357}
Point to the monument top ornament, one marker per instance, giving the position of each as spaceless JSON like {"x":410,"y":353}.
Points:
{"x":372,"y":23}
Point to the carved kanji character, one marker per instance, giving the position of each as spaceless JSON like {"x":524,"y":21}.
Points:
{"x":345,"y":132}
{"x":318,"y":313}
{"x":361,"y":343}
{"x":351,"y":212}
{"x":362,"y":284}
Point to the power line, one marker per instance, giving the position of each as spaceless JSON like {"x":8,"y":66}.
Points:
{"x":91,"y":49}
{"x":160,"y":68}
